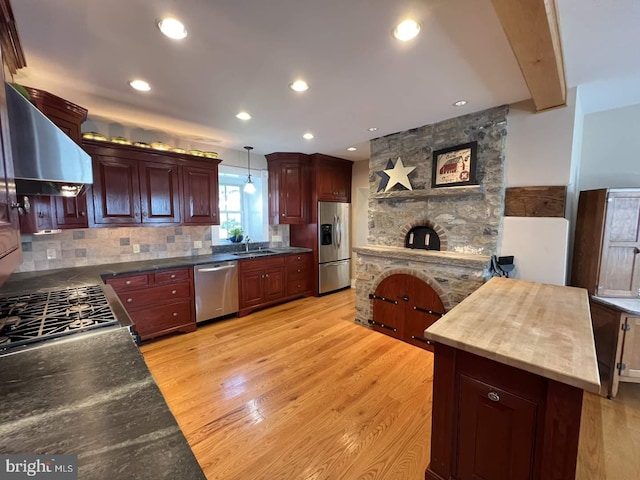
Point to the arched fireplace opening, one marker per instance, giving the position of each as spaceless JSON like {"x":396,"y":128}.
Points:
{"x":403,"y":307}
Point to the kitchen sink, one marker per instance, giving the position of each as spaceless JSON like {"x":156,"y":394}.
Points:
{"x":254,"y":253}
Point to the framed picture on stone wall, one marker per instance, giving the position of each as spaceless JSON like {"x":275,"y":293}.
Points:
{"x":454,"y":166}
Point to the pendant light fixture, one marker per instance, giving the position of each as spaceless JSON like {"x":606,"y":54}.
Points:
{"x":249,"y":187}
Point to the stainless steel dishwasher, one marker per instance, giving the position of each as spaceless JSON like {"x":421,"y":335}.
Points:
{"x":216,"y":286}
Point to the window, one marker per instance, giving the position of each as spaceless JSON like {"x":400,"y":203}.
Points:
{"x":239,"y":209}
{"x":230,"y":203}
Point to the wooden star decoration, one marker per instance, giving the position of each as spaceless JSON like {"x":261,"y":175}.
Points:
{"x":399,"y":174}
{"x":384,"y":178}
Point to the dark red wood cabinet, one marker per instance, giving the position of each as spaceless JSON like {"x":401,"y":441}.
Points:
{"x":116,"y":190}
{"x":267,"y":281}
{"x":332,"y":178}
{"x":200,"y":198}
{"x":496,"y":422}
{"x":138,"y":186}
{"x":12,"y":56}
{"x":159,"y":192}
{"x":40,"y":215}
{"x":71,"y":212}
{"x":159,"y":302}
{"x":288,"y":188}
{"x":262,"y":282}
{"x":66,"y":212}
{"x":67,"y":116}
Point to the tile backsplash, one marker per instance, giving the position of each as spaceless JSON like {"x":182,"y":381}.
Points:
{"x":96,"y":246}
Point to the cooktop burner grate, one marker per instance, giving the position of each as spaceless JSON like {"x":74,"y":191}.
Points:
{"x":32,"y":317}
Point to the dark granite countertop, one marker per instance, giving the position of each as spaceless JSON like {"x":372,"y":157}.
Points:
{"x":92,"y":395}
{"x":92,"y":275}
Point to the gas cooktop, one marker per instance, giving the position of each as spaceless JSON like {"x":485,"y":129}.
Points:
{"x":43,"y":315}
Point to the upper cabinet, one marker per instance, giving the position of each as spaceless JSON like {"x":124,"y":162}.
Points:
{"x":607,"y":243}
{"x":67,"y":116}
{"x":59,"y":212}
{"x":297,"y":182}
{"x":332,"y":178}
{"x":200,"y":195}
{"x":288,"y":188}
{"x":138,"y":186}
{"x":12,"y":56}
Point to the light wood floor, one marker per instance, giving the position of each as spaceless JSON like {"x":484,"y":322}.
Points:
{"x":300,"y":392}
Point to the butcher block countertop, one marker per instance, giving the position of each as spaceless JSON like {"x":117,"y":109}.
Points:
{"x":540,"y":328}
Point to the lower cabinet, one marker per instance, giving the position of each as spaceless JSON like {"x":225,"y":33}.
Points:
{"x":271,"y":280}
{"x":158,"y":302}
{"x":299,"y":274}
{"x":617,"y":337}
{"x":494,"y":421}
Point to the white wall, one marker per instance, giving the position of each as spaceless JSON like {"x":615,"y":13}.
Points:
{"x":610,"y":149}
{"x":539,"y":152}
{"x":359,"y":209}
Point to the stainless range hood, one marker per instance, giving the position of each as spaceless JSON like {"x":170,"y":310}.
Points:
{"x":45,"y":160}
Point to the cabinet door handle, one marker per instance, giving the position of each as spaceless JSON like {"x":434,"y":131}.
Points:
{"x":175,"y":314}
{"x":283,"y":214}
{"x":173,"y":292}
{"x":266,"y":275}
{"x":128,"y":282}
{"x":173,"y":275}
{"x":493,"y":396}
{"x":129,"y":300}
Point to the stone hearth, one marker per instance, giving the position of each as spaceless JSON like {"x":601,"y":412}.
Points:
{"x":454,"y":276}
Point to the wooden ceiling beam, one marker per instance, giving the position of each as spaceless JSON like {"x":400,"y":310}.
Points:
{"x":532,"y":29}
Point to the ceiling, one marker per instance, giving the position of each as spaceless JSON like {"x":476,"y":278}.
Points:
{"x":243,"y":54}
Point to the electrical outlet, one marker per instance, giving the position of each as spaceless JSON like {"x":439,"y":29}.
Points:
{"x":197,"y":244}
{"x":276,"y":238}
{"x":136,"y":248}
{"x":51,"y":253}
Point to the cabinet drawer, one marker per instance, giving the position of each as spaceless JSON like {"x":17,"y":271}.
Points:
{"x":298,"y":271}
{"x":298,"y":286}
{"x":152,"y":296}
{"x":155,"y":321}
{"x":299,"y":258}
{"x":172,"y":276}
{"x":129,"y":282}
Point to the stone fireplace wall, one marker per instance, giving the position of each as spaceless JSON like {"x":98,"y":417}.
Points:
{"x":469,"y":217}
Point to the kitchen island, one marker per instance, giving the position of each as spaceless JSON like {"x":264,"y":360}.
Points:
{"x":92,"y":395}
{"x":511,"y":363}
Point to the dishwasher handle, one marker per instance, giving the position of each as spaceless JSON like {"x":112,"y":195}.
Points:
{"x":215,"y":269}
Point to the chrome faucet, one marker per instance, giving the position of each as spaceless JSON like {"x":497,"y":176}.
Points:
{"x":246,"y":243}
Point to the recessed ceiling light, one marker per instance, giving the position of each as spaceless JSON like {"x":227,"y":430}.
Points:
{"x":140,"y":85}
{"x":172,"y":28}
{"x":299,"y":86}
{"x":460,"y":103}
{"x":308,"y":136}
{"x":243,"y":116}
{"x":372,"y":129}
{"x":351,"y":149}
{"x":407,"y":30}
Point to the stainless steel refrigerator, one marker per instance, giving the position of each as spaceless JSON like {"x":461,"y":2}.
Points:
{"x":334,"y":251}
